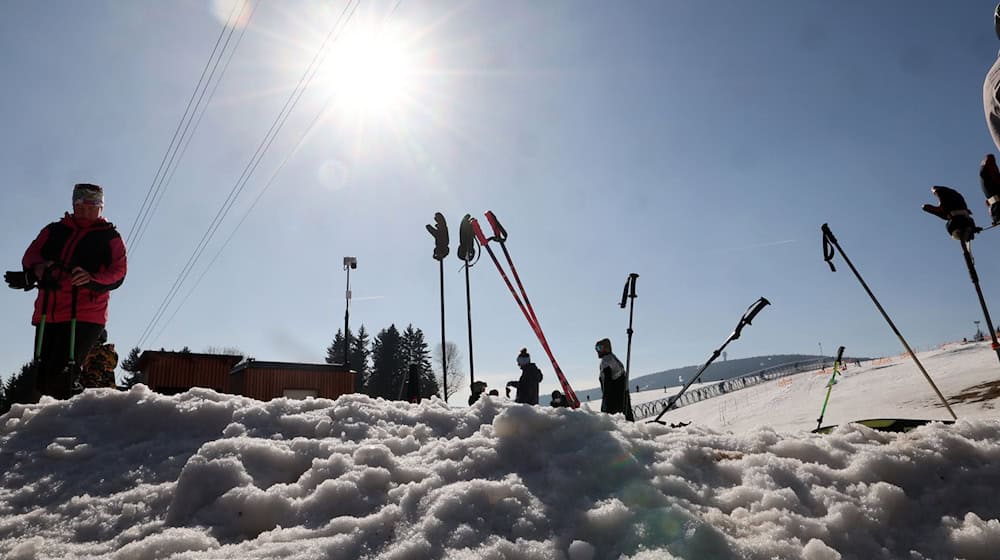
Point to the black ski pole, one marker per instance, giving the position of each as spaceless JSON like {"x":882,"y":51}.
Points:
{"x":467,"y":252}
{"x":745,"y":320}
{"x":971,"y":264}
{"x":629,"y":292}
{"x":440,"y":235}
{"x":829,"y":244}
{"x":829,"y":386}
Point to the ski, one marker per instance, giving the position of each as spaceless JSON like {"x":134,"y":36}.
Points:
{"x":897,"y":425}
{"x":500,"y":236}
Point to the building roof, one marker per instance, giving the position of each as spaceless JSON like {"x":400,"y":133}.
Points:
{"x":147,"y":355}
{"x":254,"y":364}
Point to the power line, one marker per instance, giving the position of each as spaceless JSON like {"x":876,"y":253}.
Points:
{"x":251,"y":166}
{"x":174,"y":154}
{"x":260,"y":194}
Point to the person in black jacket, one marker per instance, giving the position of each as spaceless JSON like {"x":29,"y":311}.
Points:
{"x":527,"y":384}
{"x":614,"y":382}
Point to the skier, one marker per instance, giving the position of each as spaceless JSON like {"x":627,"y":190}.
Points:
{"x":478,"y":388}
{"x":953,"y":209}
{"x":98,"y":368}
{"x":527,"y":384}
{"x":558,"y":399}
{"x":614,"y":385}
{"x":79,"y":258}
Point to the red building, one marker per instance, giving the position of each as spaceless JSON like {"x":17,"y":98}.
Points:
{"x":271,"y":380}
{"x":175,"y":372}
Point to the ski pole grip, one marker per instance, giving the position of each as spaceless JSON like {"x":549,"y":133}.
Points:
{"x":478,"y":231}
{"x":828,"y":241}
{"x":840,"y":353}
{"x":632,"y":278}
{"x":755,"y":309}
{"x":499,"y":233}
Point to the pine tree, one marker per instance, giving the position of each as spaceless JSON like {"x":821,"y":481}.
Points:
{"x":360,"y":353}
{"x":415,"y":351}
{"x":388,"y":365}
{"x":131,"y":368}
{"x":17,"y":388}
{"x":335,"y":351}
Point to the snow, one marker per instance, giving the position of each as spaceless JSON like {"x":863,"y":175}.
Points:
{"x":138,"y":475}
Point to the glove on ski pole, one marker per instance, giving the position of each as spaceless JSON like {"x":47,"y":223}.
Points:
{"x":952,"y":208}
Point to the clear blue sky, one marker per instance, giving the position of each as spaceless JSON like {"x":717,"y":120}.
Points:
{"x":699,"y":144}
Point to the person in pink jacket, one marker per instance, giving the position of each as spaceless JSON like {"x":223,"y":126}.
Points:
{"x":79,"y":257}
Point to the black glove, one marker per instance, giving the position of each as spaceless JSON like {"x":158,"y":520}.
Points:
{"x":440,"y":234}
{"x":20,"y":279}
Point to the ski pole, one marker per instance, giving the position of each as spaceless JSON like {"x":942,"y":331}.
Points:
{"x":440,"y":235}
{"x":829,"y":244}
{"x":829,"y":386}
{"x":971,"y":264}
{"x":745,"y":320}
{"x":571,"y":397}
{"x":500,"y":236}
{"x":629,"y":292}
{"x":467,"y":252}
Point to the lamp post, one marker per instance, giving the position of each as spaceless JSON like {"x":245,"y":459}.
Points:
{"x":349,"y":263}
{"x":822,"y":359}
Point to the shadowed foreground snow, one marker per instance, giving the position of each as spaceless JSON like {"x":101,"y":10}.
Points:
{"x":134,"y":475}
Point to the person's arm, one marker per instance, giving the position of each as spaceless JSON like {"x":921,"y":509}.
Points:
{"x":33,"y":259}
{"x":111,"y":277}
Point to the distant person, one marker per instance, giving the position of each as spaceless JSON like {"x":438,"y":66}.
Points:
{"x":559,"y":400}
{"x":80,"y":258}
{"x":478,"y":388}
{"x":527,"y":384}
{"x":614,"y":383}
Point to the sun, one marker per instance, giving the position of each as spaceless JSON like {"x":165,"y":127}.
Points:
{"x":372,"y":71}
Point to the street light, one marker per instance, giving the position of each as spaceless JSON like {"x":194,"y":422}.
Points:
{"x":349,"y":263}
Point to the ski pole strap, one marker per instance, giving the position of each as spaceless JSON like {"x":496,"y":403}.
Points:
{"x":499,"y":233}
{"x":828,"y":241}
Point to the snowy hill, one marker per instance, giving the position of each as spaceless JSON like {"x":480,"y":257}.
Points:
{"x":137,"y":475}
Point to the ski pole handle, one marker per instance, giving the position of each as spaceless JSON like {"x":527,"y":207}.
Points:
{"x":499,"y":233}
{"x":749,"y":315}
{"x":840,"y":354}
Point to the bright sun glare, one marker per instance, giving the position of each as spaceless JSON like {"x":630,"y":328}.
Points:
{"x":371,"y":72}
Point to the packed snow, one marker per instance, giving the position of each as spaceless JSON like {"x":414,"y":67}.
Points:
{"x":201,"y":475}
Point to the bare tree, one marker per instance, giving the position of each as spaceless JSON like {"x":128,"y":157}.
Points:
{"x":456,"y":377}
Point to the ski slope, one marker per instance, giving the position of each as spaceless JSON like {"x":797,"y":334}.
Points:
{"x":200,"y":475}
